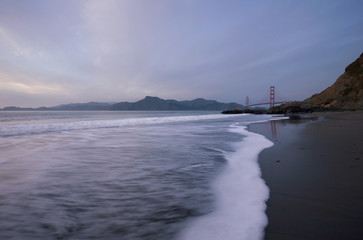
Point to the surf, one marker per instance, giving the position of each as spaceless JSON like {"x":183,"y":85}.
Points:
{"x":24,"y":129}
{"x":241,"y":195}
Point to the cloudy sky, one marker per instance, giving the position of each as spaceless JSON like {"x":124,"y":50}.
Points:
{"x":62,"y":51}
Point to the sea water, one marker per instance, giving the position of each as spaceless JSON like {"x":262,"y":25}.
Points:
{"x":131,"y":175}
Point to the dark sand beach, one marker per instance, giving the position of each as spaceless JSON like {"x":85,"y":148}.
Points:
{"x":315,"y":175}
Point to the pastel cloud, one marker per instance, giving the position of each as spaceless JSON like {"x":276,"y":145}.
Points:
{"x":55,"y":52}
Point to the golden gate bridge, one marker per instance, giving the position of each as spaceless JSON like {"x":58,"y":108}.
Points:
{"x":272,"y":99}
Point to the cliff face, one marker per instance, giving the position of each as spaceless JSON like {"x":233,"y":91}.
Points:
{"x":346,"y":92}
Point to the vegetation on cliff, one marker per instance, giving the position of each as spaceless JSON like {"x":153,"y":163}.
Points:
{"x":345,"y":94}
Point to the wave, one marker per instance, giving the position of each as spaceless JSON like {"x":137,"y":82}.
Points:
{"x":24,"y":129}
{"x":241,"y":195}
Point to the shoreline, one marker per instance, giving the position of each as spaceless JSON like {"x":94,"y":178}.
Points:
{"x":315,"y":175}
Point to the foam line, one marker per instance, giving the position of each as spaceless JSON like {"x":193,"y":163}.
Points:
{"x":241,"y":196}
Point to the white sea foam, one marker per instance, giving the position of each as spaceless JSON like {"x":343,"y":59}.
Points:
{"x":241,"y":194}
{"x":21,"y":129}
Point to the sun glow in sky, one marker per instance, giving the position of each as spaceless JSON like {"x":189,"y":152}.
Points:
{"x":63,"y":51}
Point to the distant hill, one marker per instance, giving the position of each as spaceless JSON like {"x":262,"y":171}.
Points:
{"x":91,"y":106}
{"x":147,"y":104}
{"x":155,"y":103}
{"x":345,"y":94}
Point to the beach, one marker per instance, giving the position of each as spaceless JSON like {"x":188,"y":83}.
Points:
{"x":315,"y":175}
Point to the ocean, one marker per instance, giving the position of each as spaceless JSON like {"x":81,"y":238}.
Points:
{"x":131,"y":175}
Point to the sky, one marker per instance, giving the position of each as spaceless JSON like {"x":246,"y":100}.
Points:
{"x":66,"y":51}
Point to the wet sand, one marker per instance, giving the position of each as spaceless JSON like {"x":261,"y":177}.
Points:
{"x":315,"y":175}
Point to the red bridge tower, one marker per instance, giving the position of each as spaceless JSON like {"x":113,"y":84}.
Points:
{"x":272,"y":96}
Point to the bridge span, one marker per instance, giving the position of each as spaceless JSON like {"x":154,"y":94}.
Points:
{"x":272,"y":101}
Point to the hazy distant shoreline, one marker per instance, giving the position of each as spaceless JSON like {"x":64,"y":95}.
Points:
{"x":147,"y":104}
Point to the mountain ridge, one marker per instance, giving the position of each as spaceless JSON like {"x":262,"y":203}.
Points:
{"x":149,"y":103}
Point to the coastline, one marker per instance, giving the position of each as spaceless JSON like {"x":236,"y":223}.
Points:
{"x":315,"y":175}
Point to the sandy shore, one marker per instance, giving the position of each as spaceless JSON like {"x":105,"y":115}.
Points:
{"x":315,"y":175}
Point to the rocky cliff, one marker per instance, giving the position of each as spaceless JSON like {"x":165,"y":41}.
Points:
{"x":346,"y":92}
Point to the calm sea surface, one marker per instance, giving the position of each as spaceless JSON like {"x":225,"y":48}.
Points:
{"x":130,"y":175}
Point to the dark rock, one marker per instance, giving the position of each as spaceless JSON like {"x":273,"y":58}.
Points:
{"x":236,"y":111}
{"x":251,"y":111}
